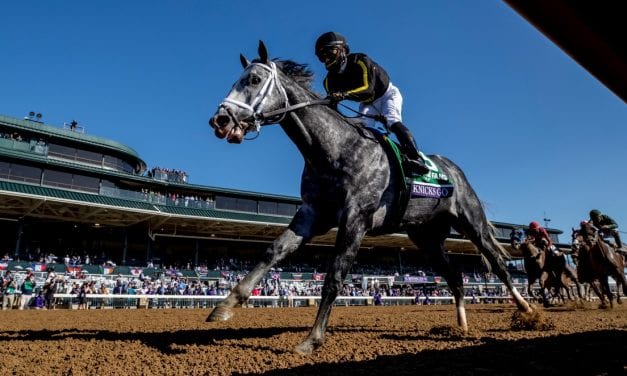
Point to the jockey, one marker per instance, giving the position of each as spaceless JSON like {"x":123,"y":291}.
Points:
{"x":606,"y":225}
{"x":556,"y":260}
{"x":540,"y":237}
{"x":356,"y":77}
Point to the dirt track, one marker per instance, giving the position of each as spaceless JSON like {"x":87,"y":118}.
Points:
{"x":405,"y":340}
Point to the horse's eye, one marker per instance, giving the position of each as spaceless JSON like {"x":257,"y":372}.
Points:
{"x":255,"y":80}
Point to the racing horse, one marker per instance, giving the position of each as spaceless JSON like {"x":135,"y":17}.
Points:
{"x":547,"y":269}
{"x":598,"y":260}
{"x":349,"y":182}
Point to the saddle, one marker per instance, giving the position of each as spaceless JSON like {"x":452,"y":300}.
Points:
{"x":434,"y":184}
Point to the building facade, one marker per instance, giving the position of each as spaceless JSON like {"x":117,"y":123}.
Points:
{"x":65,"y":192}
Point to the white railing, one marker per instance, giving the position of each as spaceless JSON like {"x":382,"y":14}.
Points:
{"x":109,"y":301}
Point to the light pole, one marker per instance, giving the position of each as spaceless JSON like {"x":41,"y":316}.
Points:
{"x":546,"y":220}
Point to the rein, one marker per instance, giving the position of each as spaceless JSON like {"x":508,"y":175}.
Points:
{"x":260,"y":118}
{"x":281,"y":111}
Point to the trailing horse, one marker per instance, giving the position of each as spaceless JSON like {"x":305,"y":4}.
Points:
{"x":596,"y":261}
{"x":349,"y":181}
{"x":550,"y":271}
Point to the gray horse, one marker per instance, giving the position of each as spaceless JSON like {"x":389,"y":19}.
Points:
{"x":350,"y":182}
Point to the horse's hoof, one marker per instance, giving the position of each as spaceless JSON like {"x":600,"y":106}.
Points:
{"x":220,"y":314}
{"x":307,"y":347}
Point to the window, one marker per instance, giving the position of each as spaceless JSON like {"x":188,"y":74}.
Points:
{"x":25,"y":173}
{"x":117,"y":164}
{"x":5,"y":168}
{"x":62,"y":151}
{"x":89,"y":157}
{"x":86,"y":183}
{"x":286,"y":209}
{"x":266,"y":207}
{"x":57,"y":178}
{"x":239,"y":204}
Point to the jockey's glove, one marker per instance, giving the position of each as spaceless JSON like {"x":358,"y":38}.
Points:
{"x":336,"y":96}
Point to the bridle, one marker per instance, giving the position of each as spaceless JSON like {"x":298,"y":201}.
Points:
{"x":587,"y":239}
{"x":259,"y":118}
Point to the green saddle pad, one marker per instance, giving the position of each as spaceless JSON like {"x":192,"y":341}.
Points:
{"x":433,"y":184}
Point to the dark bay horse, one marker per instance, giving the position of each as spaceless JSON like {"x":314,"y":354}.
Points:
{"x":550,"y":271}
{"x":350,"y":182}
{"x":596,"y":261}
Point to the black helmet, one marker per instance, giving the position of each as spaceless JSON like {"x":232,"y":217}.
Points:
{"x":594,"y":213}
{"x":331,"y":39}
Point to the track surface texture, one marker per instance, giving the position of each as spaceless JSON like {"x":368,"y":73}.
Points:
{"x":381,"y":340}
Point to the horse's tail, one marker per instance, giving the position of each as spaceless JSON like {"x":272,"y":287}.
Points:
{"x":503,"y":254}
{"x":502,"y":250}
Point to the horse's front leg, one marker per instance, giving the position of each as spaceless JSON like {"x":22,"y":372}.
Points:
{"x":347,"y":243}
{"x":605,"y":289}
{"x":542,"y":281}
{"x":285,"y":244}
{"x":599,"y":292}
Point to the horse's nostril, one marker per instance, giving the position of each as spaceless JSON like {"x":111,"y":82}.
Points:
{"x":222,"y":120}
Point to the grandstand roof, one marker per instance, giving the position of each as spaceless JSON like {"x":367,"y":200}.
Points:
{"x":55,"y":132}
{"x":25,"y":200}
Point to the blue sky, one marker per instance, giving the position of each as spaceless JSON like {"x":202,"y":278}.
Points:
{"x":536,"y":134}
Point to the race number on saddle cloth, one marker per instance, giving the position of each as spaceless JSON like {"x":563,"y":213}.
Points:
{"x":433,"y":184}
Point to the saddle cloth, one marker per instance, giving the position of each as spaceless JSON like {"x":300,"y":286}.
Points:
{"x":433,"y":184}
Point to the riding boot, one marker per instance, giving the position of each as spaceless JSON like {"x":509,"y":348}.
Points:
{"x":408,"y":146}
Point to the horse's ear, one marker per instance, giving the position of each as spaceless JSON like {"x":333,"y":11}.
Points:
{"x":244,"y":61}
{"x":263,"y":52}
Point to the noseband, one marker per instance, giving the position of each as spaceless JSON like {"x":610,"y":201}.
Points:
{"x":257,"y":117}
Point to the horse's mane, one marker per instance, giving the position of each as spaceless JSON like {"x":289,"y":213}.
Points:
{"x":296,"y":71}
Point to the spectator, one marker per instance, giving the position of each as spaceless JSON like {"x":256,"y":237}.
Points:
{"x":377,"y":298}
{"x":27,"y":290}
{"x":82,"y":297}
{"x":8,"y":299}
{"x":40,"y":301}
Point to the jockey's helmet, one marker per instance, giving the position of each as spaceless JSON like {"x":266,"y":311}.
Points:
{"x":534,"y":225}
{"x":331,"y":49}
{"x":594,"y":213}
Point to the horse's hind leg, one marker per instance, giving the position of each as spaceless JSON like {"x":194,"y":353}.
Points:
{"x":476,"y":228}
{"x":431,"y":239}
{"x":621,"y":282}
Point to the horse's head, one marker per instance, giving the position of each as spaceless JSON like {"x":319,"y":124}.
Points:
{"x":528,"y":249}
{"x":256,"y":91}
{"x":583,"y":238}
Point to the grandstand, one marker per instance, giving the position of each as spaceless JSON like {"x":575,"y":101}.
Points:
{"x":91,"y":209}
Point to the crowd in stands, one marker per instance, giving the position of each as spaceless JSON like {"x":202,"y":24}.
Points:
{"x":12,"y":136}
{"x":24,"y":289}
{"x":167,"y":174}
{"x":176,"y":199}
{"x":36,"y":145}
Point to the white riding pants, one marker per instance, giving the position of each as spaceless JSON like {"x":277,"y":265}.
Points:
{"x":389,"y":105}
